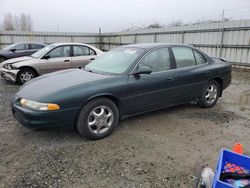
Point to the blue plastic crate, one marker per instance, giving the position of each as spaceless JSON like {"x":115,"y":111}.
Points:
{"x":230,"y":162}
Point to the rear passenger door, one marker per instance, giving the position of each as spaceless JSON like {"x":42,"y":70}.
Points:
{"x":190,"y":73}
{"x":82,"y":55}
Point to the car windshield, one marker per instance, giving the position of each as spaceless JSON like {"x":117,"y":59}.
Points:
{"x":43,"y":51}
{"x":12,"y":46}
{"x":116,"y":61}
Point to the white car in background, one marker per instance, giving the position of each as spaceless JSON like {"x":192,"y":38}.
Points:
{"x":51,"y":58}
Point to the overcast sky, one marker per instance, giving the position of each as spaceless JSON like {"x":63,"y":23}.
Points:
{"x":115,"y":15}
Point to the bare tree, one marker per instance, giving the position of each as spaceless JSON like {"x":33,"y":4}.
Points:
{"x":16,"y":23}
{"x":29,"y":23}
{"x":22,"y":22}
{"x":8,"y":22}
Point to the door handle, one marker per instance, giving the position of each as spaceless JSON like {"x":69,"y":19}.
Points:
{"x":67,"y":60}
{"x":92,"y":58}
{"x":169,"y":79}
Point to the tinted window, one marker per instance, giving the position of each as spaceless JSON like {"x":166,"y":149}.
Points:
{"x":199,"y":58}
{"x":62,"y":51}
{"x":19,"y":47}
{"x":157,"y":60}
{"x":83,"y":51}
{"x":36,"y":46}
{"x":184,"y":57}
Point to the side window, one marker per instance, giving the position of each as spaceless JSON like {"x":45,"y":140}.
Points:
{"x":20,"y":47}
{"x":199,"y":58}
{"x":184,"y":57}
{"x":36,"y":46}
{"x":91,"y":52}
{"x":158,"y":60}
{"x":82,"y":51}
{"x":62,"y":51}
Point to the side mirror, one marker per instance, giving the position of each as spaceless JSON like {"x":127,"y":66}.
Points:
{"x":13,"y":50}
{"x":46,"y":57}
{"x":142,"y":70}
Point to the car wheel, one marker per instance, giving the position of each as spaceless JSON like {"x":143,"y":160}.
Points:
{"x":25,"y":75}
{"x":210,"y":94}
{"x":2,"y":59}
{"x":97,"y":119}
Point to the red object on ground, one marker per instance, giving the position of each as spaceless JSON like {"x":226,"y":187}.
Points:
{"x":237,"y":148}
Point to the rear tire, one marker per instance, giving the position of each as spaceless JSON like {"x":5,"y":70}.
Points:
{"x":97,"y":119}
{"x":25,"y":75}
{"x":210,"y":94}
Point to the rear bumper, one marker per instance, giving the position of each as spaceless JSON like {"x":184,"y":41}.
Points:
{"x":62,"y":119}
{"x":10,"y":75}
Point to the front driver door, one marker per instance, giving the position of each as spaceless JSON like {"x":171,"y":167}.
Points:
{"x":149,"y":91}
{"x":20,"y":50}
{"x":57,"y":59}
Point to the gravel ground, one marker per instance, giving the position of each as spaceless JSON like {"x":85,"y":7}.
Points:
{"x":159,"y":149}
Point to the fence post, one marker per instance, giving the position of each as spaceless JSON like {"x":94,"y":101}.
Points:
{"x":155,"y":37}
{"x":182,"y":37}
{"x":135,"y":38}
{"x":221,"y":41}
{"x":100,"y":38}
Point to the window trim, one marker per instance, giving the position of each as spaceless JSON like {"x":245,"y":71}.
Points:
{"x":170,"y":55}
{"x":192,"y":49}
{"x":200,"y":55}
{"x":55,"y":48}
{"x":30,"y":46}
{"x":18,"y":50}
{"x":73,"y":55}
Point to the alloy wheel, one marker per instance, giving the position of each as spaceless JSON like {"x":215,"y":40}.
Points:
{"x":211,"y":93}
{"x":100,"y":119}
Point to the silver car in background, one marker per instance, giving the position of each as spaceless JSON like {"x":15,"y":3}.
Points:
{"x":51,"y":58}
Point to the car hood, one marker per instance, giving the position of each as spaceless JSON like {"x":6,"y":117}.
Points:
{"x":4,"y":52}
{"x":51,"y":84}
{"x":17,"y":60}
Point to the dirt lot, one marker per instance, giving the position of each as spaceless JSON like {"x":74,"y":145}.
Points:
{"x":159,"y":149}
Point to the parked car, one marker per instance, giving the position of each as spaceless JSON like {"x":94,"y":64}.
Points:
{"x":19,"y":50}
{"x":123,"y":82}
{"x":52,"y":58}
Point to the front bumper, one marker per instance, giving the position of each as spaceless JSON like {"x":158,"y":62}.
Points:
{"x":9,"y":74}
{"x":63,"y":119}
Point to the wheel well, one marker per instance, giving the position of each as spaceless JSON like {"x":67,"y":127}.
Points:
{"x":110,"y":97}
{"x":27,"y":67}
{"x":113,"y":99}
{"x":220,"y":82}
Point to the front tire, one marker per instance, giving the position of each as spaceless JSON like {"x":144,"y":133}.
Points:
{"x":25,"y":75}
{"x":98,"y":119}
{"x":210,"y":94}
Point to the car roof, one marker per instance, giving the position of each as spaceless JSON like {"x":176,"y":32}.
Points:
{"x":149,"y":46}
{"x":30,"y":43}
{"x":69,"y":43}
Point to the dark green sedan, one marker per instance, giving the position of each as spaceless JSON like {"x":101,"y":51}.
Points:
{"x":125,"y":81}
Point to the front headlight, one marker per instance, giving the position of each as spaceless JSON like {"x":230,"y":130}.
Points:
{"x":39,"y":106}
{"x":8,"y":66}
